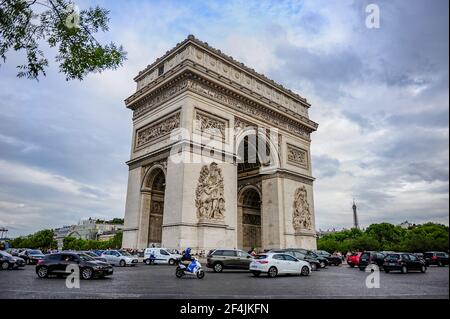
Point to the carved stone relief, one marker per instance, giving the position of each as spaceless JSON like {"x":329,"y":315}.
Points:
{"x":153,"y":131}
{"x":210,"y":124}
{"x":209,"y":195}
{"x":302,"y":217}
{"x":297,"y":156}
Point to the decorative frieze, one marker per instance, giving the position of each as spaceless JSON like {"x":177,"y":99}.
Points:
{"x":257,"y":111}
{"x":210,"y":124}
{"x":153,"y":131}
{"x":209,"y":195}
{"x":302,"y":217}
{"x":297,"y":156}
{"x":160,"y":97}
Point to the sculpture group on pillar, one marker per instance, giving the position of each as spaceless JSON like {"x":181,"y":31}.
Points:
{"x":302,"y":218}
{"x":209,"y":195}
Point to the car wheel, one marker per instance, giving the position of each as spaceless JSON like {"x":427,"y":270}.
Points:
{"x":440,"y":264}
{"x":404,"y":269}
{"x":423,"y":269}
{"x":305,"y":271}
{"x":122,"y":263}
{"x":148,"y":262}
{"x":200,"y":274}
{"x":5,"y":265}
{"x":387,"y":271}
{"x":313,"y":267}
{"x":218,"y":267}
{"x":256,"y":273}
{"x":87,"y":273}
{"x":171,"y":262}
{"x":362,"y":268}
{"x":352,"y":266}
{"x":42,"y":272}
{"x":322,"y":264}
{"x":273,"y":272}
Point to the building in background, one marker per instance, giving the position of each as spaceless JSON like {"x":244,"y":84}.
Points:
{"x":355,"y":216}
{"x":89,"y":229}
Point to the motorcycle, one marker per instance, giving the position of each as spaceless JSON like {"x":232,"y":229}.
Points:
{"x":193,"y":269}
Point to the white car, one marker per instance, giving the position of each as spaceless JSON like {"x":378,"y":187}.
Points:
{"x":121,"y":258}
{"x":277,"y":263}
{"x":160,"y":256}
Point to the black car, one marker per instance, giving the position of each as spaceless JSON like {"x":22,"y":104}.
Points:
{"x":31,"y":256}
{"x":314,"y":262}
{"x":56,"y":264}
{"x":332,"y":260}
{"x":371,"y":258}
{"x":403,"y":262}
{"x":323,"y":262}
{"x":438,"y":258}
{"x":8,"y":261}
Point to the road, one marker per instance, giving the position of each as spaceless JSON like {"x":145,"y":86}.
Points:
{"x":158,"y":281}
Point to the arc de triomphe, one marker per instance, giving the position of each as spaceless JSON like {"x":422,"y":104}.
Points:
{"x":220,"y":156}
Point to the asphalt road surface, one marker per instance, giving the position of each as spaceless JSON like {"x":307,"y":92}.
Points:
{"x":158,"y":281}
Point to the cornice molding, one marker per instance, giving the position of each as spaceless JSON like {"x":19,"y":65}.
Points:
{"x":190,"y":81}
{"x":168,"y":58}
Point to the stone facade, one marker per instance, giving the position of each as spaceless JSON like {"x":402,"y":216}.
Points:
{"x":197,"y":116}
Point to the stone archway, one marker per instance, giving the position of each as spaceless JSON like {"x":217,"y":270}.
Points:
{"x":153,"y":192}
{"x":249,"y":210}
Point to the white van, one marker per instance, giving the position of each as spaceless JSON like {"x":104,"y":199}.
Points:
{"x":161,"y":255}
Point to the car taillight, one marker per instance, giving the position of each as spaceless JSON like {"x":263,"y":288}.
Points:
{"x":434,"y":257}
{"x":262,"y":261}
{"x":40,"y":262}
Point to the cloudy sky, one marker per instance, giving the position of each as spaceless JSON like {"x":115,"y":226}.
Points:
{"x":380,"y":97}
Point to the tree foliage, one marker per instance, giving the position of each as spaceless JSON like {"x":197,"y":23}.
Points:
{"x":72,"y":243}
{"x":41,"y":240}
{"x":388,"y":237}
{"x":25,"y":25}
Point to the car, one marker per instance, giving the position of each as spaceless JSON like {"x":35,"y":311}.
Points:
{"x":94,"y":255}
{"x":313,"y":262}
{"x":220,"y":259}
{"x":323,"y":262}
{"x":57,"y":264}
{"x":275,"y":264}
{"x":161,"y":256}
{"x":371,"y":258}
{"x":332,"y":259}
{"x":438,"y":258}
{"x":403,"y":262}
{"x":8,"y":261}
{"x":353,"y":259}
{"x":31,"y":256}
{"x":119,"y":257}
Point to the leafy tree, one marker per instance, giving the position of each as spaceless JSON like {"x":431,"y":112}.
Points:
{"x":41,"y":240}
{"x":26,"y":24}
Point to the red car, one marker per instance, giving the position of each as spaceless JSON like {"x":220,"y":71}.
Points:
{"x":353,"y":259}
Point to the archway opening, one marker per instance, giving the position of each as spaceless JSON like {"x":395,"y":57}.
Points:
{"x":250,"y":207}
{"x":156,"y":183}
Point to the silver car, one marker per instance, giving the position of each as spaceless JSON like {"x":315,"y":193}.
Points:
{"x":120,"y":258}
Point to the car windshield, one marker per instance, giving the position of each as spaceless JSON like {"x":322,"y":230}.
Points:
{"x":260,"y":257}
{"x":4,"y":253}
{"x":35,"y":252}
{"x":124,"y":253}
{"x":85,"y":257}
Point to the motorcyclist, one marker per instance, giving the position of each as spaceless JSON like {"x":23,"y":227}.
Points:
{"x":186,"y":259}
